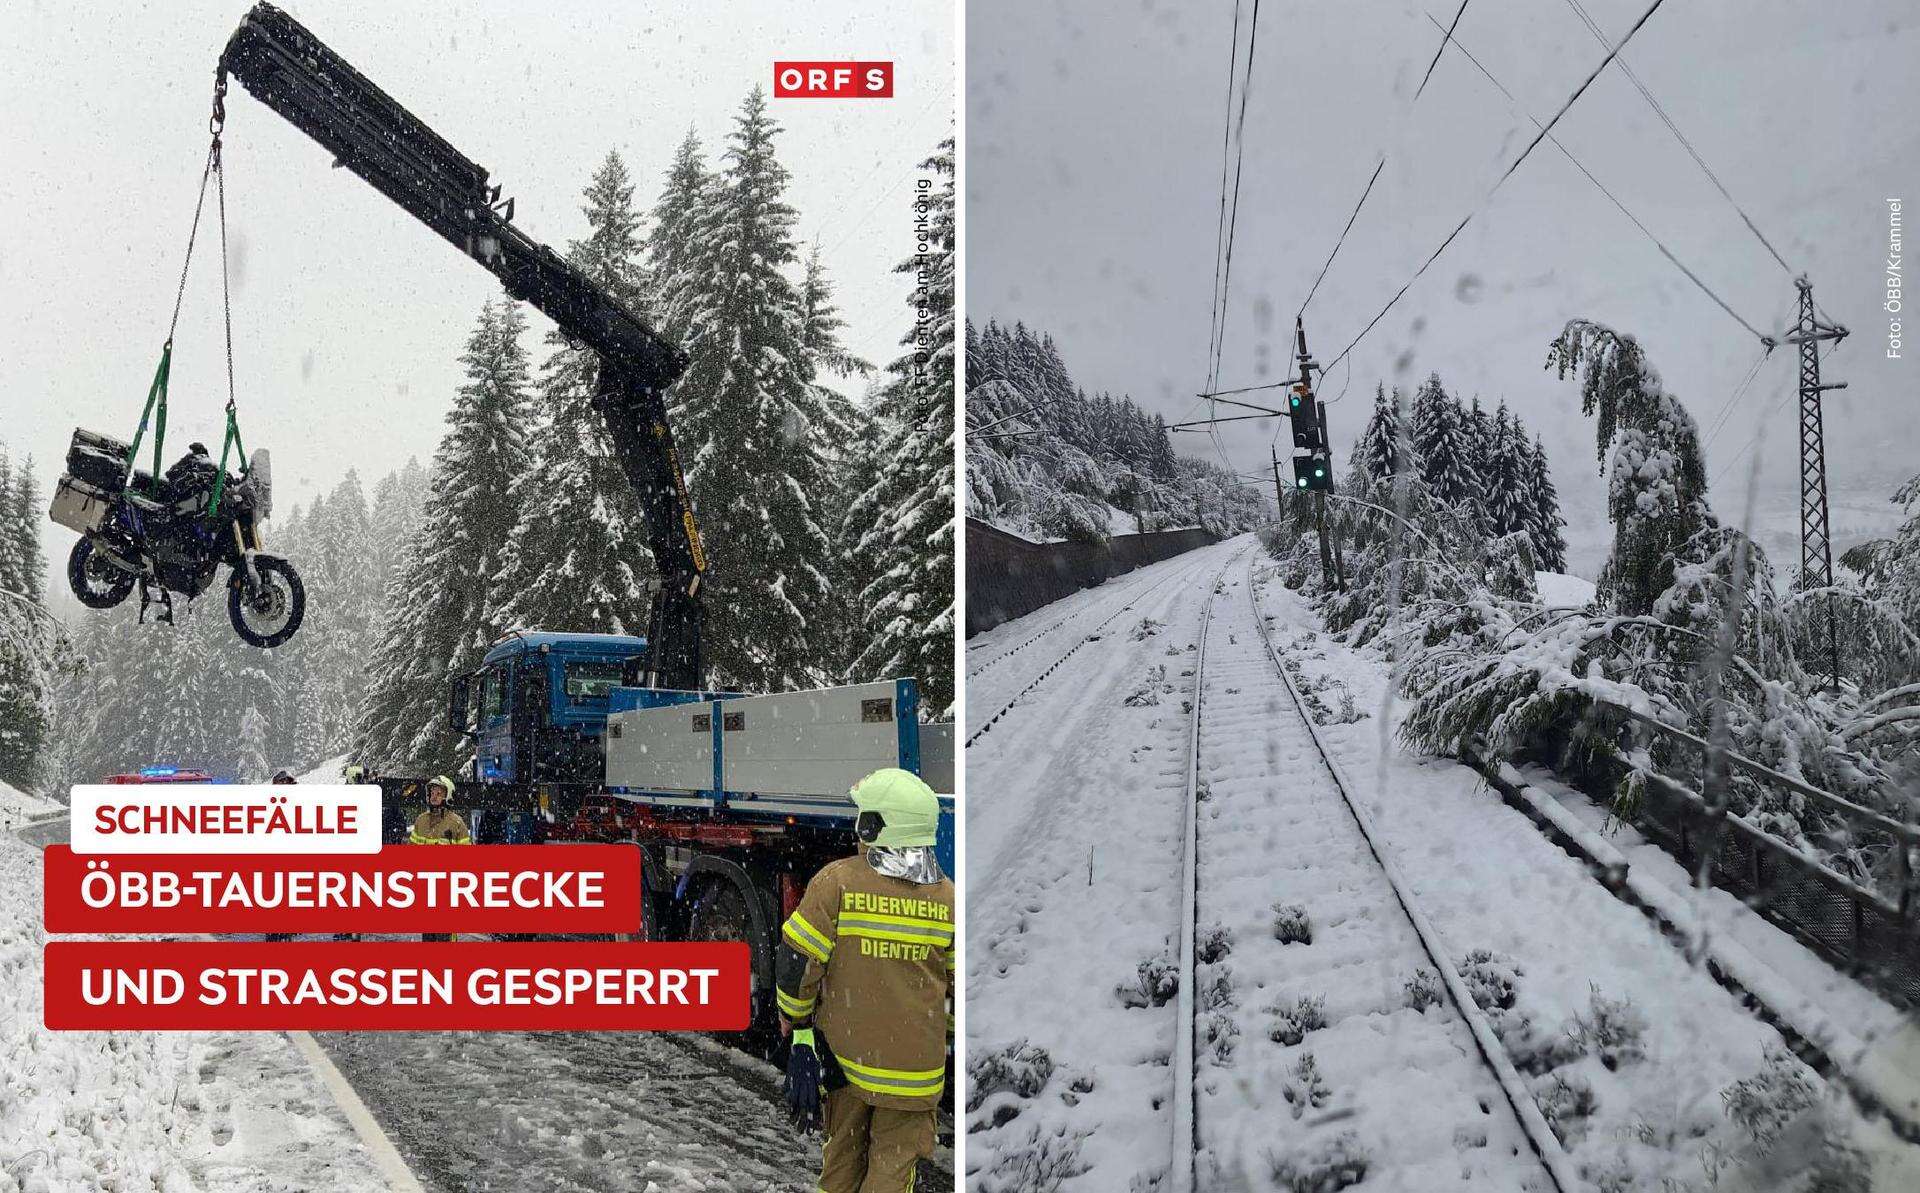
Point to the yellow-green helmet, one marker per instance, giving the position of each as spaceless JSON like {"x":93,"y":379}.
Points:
{"x":897,"y":810}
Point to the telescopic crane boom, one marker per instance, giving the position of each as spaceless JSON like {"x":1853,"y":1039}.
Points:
{"x":297,"y":75}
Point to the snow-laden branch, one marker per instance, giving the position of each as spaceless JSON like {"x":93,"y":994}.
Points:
{"x":1890,"y":615}
{"x":1862,"y":728}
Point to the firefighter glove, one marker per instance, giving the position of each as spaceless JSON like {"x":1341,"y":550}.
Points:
{"x":803,"y":1081}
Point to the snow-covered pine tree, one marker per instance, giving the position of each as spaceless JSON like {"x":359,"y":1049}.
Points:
{"x":1380,"y":443}
{"x":1509,"y":478}
{"x":251,"y":764}
{"x":345,"y":594}
{"x":27,"y":638}
{"x":1480,"y":437}
{"x":680,"y":235}
{"x":23,"y":552}
{"x":1443,"y":442}
{"x":1543,"y":516}
{"x":435,"y":622}
{"x":907,"y":512}
{"x":576,"y":558}
{"x":613,"y":253}
{"x":396,"y":509}
{"x":1649,"y":446}
{"x":823,"y":325}
{"x":850,"y":440}
{"x":751,"y":422}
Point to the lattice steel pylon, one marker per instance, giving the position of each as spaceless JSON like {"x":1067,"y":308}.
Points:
{"x":1816,"y":543}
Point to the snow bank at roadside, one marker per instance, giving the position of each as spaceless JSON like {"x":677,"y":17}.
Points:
{"x":330,"y":771}
{"x":166,"y":1111}
{"x":17,"y":807}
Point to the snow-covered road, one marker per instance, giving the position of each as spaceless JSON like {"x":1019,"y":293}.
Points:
{"x":1651,"y":1074}
{"x":168,"y":1111}
{"x":570,"y":1111}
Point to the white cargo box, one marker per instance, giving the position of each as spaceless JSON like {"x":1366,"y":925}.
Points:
{"x":813,"y":743}
{"x":80,"y":506}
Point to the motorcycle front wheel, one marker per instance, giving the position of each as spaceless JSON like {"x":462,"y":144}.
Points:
{"x":268,"y":615}
{"x":97,"y":583}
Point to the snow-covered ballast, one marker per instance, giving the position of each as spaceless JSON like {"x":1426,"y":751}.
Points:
{"x":786,"y":758}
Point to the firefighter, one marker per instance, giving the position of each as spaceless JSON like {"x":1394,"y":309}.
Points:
{"x":439,"y":825}
{"x":863,"y":981}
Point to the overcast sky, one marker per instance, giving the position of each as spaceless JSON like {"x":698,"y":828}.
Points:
{"x":349,"y":316}
{"x":1094,"y":182}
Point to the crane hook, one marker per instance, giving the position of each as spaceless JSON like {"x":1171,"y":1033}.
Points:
{"x":219,"y":117}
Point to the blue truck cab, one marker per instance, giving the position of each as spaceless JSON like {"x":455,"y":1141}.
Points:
{"x":537,"y":705}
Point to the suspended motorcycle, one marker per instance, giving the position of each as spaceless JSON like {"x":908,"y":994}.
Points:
{"x":170,"y":533}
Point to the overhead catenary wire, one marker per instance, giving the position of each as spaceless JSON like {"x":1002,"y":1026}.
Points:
{"x":1441,"y":48}
{"x":1380,"y":164}
{"x":1237,"y":136}
{"x":1602,"y":187}
{"x":1733,"y":399}
{"x":1517,"y":162}
{"x":1220,"y":226}
{"x":1661,"y":112}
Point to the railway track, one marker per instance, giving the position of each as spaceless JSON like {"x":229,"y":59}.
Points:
{"x":1042,"y":674}
{"x":1324,"y":1031}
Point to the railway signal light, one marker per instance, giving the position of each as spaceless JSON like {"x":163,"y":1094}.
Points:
{"x":1304,"y":411}
{"x":1311,"y":471}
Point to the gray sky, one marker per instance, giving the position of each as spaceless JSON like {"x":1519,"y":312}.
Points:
{"x":1094,"y":148}
{"x":349,"y":316}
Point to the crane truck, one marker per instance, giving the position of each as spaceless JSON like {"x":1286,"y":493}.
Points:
{"x":734,"y":799}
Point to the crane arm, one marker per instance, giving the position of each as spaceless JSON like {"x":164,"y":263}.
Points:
{"x":293,"y":72}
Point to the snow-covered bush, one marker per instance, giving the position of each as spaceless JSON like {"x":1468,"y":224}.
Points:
{"x":1613,"y":1029}
{"x":1566,"y":1101}
{"x":1493,"y":979}
{"x":1294,"y":1018}
{"x":1154,"y":984}
{"x":1291,"y":924}
{"x":1423,"y":990}
{"x":1764,"y":1104}
{"x":1324,"y":1168}
{"x":1036,"y":1163}
{"x":1020,"y":1068}
{"x":1213,"y":944}
{"x":1304,"y":1088}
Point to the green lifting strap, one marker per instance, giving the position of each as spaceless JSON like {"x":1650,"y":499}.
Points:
{"x":231,"y":442}
{"x":156,"y":405}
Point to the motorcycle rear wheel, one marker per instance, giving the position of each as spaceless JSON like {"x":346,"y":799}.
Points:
{"x":97,"y":583}
{"x":270,"y":617}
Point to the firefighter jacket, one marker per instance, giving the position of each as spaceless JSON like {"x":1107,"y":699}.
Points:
{"x":439,"y":826}
{"x":868,"y":961}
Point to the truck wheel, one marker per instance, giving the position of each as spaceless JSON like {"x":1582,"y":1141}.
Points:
{"x":721,"y":914}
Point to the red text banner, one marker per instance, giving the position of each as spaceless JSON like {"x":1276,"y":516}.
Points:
{"x":833,"y":80}
{"x":407,"y":888}
{"x":396,"y":986}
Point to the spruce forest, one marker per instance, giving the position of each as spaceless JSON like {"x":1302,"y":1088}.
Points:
{"x":1048,"y":461}
{"x":827,"y":519}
